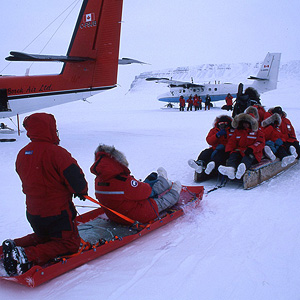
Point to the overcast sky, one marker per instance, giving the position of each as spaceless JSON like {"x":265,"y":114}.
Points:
{"x":164,"y":33}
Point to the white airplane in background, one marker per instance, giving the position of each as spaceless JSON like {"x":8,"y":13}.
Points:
{"x":265,"y":80}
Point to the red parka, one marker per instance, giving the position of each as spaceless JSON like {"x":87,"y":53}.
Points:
{"x":182,"y":101}
{"x":286,"y":127}
{"x":258,"y":112}
{"x":190,"y":102}
{"x":228,"y":100}
{"x":214,"y":141}
{"x":272,"y":132}
{"x":242,"y":139}
{"x":120,"y":191}
{"x":212,"y":138}
{"x":49,"y":174}
{"x":196,"y":101}
{"x":287,"y":130}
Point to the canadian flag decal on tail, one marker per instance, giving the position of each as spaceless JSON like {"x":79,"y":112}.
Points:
{"x":88,"y":20}
{"x":89,"y":17}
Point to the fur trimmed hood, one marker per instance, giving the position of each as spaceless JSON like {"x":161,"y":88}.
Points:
{"x":252,"y":110}
{"x":252,"y":93}
{"x":270,"y":110}
{"x":247,"y":118}
{"x":109,"y":163}
{"x":270,"y":120}
{"x":113,"y":152}
{"x":222,"y":118}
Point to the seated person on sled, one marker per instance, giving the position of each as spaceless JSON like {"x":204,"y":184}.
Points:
{"x":245,"y":146}
{"x":118,"y":190}
{"x":210,"y":158}
{"x":50,"y":176}
{"x":289,"y":136}
{"x":274,"y":141}
{"x":258,"y":112}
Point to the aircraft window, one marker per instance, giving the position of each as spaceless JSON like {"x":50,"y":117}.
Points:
{"x":183,"y":91}
{"x":209,"y":89}
{"x":216,"y":89}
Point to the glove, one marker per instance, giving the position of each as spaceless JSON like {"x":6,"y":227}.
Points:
{"x":248,"y":151}
{"x":80,"y":196}
{"x":279,"y":142}
{"x":221,"y":133}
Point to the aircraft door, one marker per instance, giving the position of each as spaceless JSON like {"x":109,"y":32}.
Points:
{"x":3,"y":100}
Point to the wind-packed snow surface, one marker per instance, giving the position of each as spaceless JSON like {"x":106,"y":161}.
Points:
{"x":237,"y":245}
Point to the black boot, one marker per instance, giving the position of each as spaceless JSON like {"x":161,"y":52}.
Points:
{"x":10,"y":265}
{"x":15,"y":260}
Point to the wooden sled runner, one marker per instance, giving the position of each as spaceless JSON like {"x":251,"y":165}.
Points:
{"x":101,"y":236}
{"x":200,"y":177}
{"x":263,"y":171}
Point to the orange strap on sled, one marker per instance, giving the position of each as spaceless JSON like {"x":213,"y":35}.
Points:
{"x":113,"y":211}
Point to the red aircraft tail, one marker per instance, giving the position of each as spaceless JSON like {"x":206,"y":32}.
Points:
{"x":90,"y":66}
{"x":96,"y":37}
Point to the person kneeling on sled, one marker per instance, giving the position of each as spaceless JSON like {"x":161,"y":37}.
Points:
{"x":245,"y":146}
{"x":50,"y":176}
{"x":118,"y":190}
{"x":210,"y":158}
{"x":274,"y":144}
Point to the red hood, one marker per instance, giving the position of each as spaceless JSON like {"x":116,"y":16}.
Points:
{"x":41,"y":127}
{"x":106,"y":167}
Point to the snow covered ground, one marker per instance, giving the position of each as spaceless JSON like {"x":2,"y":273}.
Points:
{"x":238,"y":245}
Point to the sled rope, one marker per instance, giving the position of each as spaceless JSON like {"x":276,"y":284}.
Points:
{"x":223,"y":182}
{"x":113,"y":211}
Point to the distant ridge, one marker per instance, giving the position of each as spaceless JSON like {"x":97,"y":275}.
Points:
{"x":233,"y":73}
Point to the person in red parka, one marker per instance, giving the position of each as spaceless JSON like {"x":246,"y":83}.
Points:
{"x":200,"y":103}
{"x":274,"y":144}
{"x":245,"y":146}
{"x":258,"y":111}
{"x":210,"y":158}
{"x":190,"y":103}
{"x":50,"y":177}
{"x":289,"y":138}
{"x":118,"y":190}
{"x":229,"y":101}
{"x":181,"y":103}
{"x":196,"y":102}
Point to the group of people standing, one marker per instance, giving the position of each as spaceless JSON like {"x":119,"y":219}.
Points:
{"x":239,"y":142}
{"x":195,"y":102}
{"x":51,"y":177}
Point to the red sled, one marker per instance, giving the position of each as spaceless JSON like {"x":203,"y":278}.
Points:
{"x":102,"y":236}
